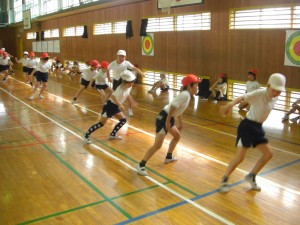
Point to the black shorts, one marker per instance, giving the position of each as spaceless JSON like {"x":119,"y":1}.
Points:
{"x":110,"y":109}
{"x":41,"y":77}
{"x":25,"y":69}
{"x":116,"y":83}
{"x":29,"y":70}
{"x":4,"y":67}
{"x":161,"y":122}
{"x":101,"y":86}
{"x":166,"y":88}
{"x":251,"y":134}
{"x":85,"y":83}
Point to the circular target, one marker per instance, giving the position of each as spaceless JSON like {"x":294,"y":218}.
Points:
{"x":148,"y":45}
{"x":292,"y":47}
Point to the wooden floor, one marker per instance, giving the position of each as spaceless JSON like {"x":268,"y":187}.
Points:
{"x":48,"y":175}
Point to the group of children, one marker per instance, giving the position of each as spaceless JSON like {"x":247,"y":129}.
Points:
{"x":259,"y":103}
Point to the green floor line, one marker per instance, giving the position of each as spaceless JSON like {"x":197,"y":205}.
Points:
{"x":123,"y":154}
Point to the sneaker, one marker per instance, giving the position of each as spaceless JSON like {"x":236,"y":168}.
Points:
{"x":87,"y":139}
{"x":73,"y":102}
{"x":141,"y":170}
{"x":115,"y":137}
{"x":252,"y":182}
{"x":294,"y":120}
{"x":41,"y":97}
{"x":31,"y":97}
{"x":130,"y":113}
{"x":286,"y":117}
{"x":224,"y":187}
{"x":170,"y":160}
{"x":214,"y":101}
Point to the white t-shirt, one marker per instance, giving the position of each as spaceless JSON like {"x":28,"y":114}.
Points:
{"x":164,"y":81}
{"x":222,"y":87}
{"x":24,"y":61}
{"x":32,"y":63}
{"x":121,"y":94}
{"x":88,"y":75}
{"x":100,"y":78}
{"x":43,"y":67}
{"x":252,"y":86}
{"x":180,"y":102}
{"x":3,"y":61}
{"x":261,"y":105}
{"x":119,"y":68}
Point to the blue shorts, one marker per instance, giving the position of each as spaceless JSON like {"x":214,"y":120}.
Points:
{"x":161,"y":122}
{"x":4,"y":67}
{"x":29,"y":70}
{"x":251,"y":134}
{"x":41,"y":77}
{"x":110,"y":109}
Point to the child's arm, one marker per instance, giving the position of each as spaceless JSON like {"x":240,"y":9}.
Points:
{"x":225,"y":109}
{"x":168,"y":120}
{"x":135,"y":69}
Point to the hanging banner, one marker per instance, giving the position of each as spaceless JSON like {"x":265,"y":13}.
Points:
{"x":292,"y":48}
{"x":148,"y":44}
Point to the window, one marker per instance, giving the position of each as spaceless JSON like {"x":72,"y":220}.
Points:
{"x":31,"y":35}
{"x":69,"y":3}
{"x":263,"y":18}
{"x":49,"y":6}
{"x":110,"y":28}
{"x":18,"y":11}
{"x":33,"y":5}
{"x":73,"y":31}
{"x":51,"y":33}
{"x":160,"y":24}
{"x":104,"y":28}
{"x":193,"y":22}
{"x":296,"y":17}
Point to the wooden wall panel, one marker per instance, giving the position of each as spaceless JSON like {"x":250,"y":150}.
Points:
{"x":205,"y":53}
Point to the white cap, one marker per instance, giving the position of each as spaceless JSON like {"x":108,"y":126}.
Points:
{"x":3,"y":49}
{"x":277,"y":82}
{"x":127,"y":76}
{"x":121,"y":52}
{"x":25,"y":53}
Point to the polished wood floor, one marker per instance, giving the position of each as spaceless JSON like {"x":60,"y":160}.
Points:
{"x":48,"y":175}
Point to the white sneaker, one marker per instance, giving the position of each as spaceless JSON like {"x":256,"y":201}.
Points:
{"x":87,"y":139}
{"x":141,"y":170}
{"x":130,"y":113}
{"x":286,"y":117}
{"x":253,"y":183}
{"x":112,"y":137}
{"x":41,"y":97}
{"x":215,"y":101}
{"x":73,"y":102}
{"x":294,"y":120}
{"x":224,"y":187}
{"x":31,"y":97}
{"x":170,"y":160}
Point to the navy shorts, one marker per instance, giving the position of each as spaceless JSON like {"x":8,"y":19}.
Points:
{"x":25,"y":69}
{"x":161,"y":122}
{"x":85,"y":83}
{"x":29,"y":70}
{"x":251,"y":134}
{"x":41,"y":77}
{"x":101,"y":86}
{"x":110,"y":109}
{"x":116,"y":83}
{"x":4,"y":67}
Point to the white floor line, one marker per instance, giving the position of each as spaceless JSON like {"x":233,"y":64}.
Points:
{"x":207,"y":211}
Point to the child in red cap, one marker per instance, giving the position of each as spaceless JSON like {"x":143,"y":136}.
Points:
{"x":165,"y":121}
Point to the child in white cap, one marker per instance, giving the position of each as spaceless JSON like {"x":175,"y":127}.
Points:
{"x":165,"y":122}
{"x":250,"y":130}
{"x":24,"y":60}
{"x":114,"y":107}
{"x":117,"y":67}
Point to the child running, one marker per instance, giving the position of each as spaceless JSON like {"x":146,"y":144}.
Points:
{"x":24,"y":62}
{"x":114,"y":107}
{"x":31,"y":65}
{"x":250,"y":130}
{"x":100,"y":82}
{"x":165,"y":122}
{"x":87,"y":76}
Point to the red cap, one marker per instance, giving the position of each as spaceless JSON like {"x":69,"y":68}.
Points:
{"x":189,"y":79}
{"x":253,"y":71}
{"x":104,"y":64}
{"x":31,"y":54}
{"x":94,"y":63}
{"x":222,"y":75}
{"x":4,"y":53}
{"x":44,"y":55}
